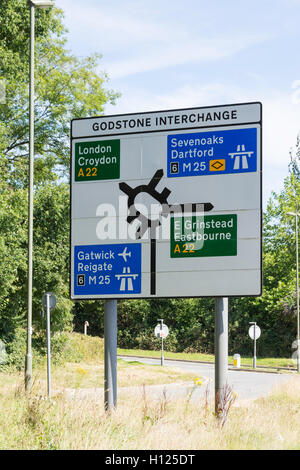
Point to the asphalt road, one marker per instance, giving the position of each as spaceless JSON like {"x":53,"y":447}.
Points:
{"x":248,"y":385}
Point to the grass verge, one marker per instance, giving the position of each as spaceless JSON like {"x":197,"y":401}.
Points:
{"x":91,"y":375}
{"x":273,"y":362}
{"x":142,"y":422}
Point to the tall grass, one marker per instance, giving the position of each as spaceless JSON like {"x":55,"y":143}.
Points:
{"x":142,"y":422}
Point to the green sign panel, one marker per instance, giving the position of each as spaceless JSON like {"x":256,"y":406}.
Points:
{"x":199,"y":236}
{"x":97,"y":160}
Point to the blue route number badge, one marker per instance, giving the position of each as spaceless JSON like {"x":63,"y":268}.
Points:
{"x":107,"y":269}
{"x":211,"y":153}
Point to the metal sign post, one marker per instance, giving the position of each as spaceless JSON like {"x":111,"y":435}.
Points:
{"x":162,"y":342}
{"x":162,"y":363}
{"x":254,"y":333}
{"x":48,"y":301}
{"x":161,"y":331}
{"x":221,"y":352}
{"x":110,"y":354}
{"x":48,"y":346}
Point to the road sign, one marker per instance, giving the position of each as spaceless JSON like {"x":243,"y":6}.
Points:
{"x":52,"y":300}
{"x":107,"y":269}
{"x":257,"y":332}
{"x":167,"y":204}
{"x":161,"y":331}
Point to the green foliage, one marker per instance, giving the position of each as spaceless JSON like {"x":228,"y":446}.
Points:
{"x":147,"y":340}
{"x":65,"y":88}
{"x":91,"y":311}
{"x":16,"y":350}
{"x":51,"y":256}
{"x":65,"y":347}
{"x":88,"y":348}
{"x":275,"y":310}
{"x":13,"y":260}
{"x":51,"y":260}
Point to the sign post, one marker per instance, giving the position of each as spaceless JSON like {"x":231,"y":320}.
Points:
{"x":110,"y":354}
{"x":254,"y":333}
{"x":221,"y":352}
{"x":167,"y":204}
{"x":48,"y":302}
{"x":161,"y":331}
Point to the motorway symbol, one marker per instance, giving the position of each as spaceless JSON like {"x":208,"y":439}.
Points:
{"x":126,"y":276}
{"x":240,"y":156}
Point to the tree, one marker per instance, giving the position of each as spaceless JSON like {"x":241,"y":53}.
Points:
{"x":295,"y":159}
{"x":66,"y":88}
{"x":275,"y":310}
{"x":51,"y":256}
{"x":13,"y":261}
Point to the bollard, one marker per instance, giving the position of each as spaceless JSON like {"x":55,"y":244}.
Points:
{"x":86,"y":324}
{"x":237,"y":361}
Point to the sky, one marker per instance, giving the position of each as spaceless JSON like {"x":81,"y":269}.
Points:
{"x":169,"y":54}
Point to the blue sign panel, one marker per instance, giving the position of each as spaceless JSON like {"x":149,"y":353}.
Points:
{"x":107,"y":269}
{"x":211,"y":153}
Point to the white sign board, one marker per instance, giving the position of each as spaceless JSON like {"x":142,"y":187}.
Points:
{"x":161,"y":331}
{"x":257,"y":332}
{"x":167,"y":204}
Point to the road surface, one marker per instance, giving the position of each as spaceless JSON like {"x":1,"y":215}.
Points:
{"x":248,"y":385}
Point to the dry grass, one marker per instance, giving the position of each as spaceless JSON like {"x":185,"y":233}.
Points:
{"x":91,"y":375}
{"x":142,"y":422}
{"x":76,"y":419}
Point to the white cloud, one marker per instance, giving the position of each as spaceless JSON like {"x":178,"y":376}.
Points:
{"x":138,"y":37}
{"x":191,"y":50}
{"x":186,"y":96}
{"x":115,"y":25}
